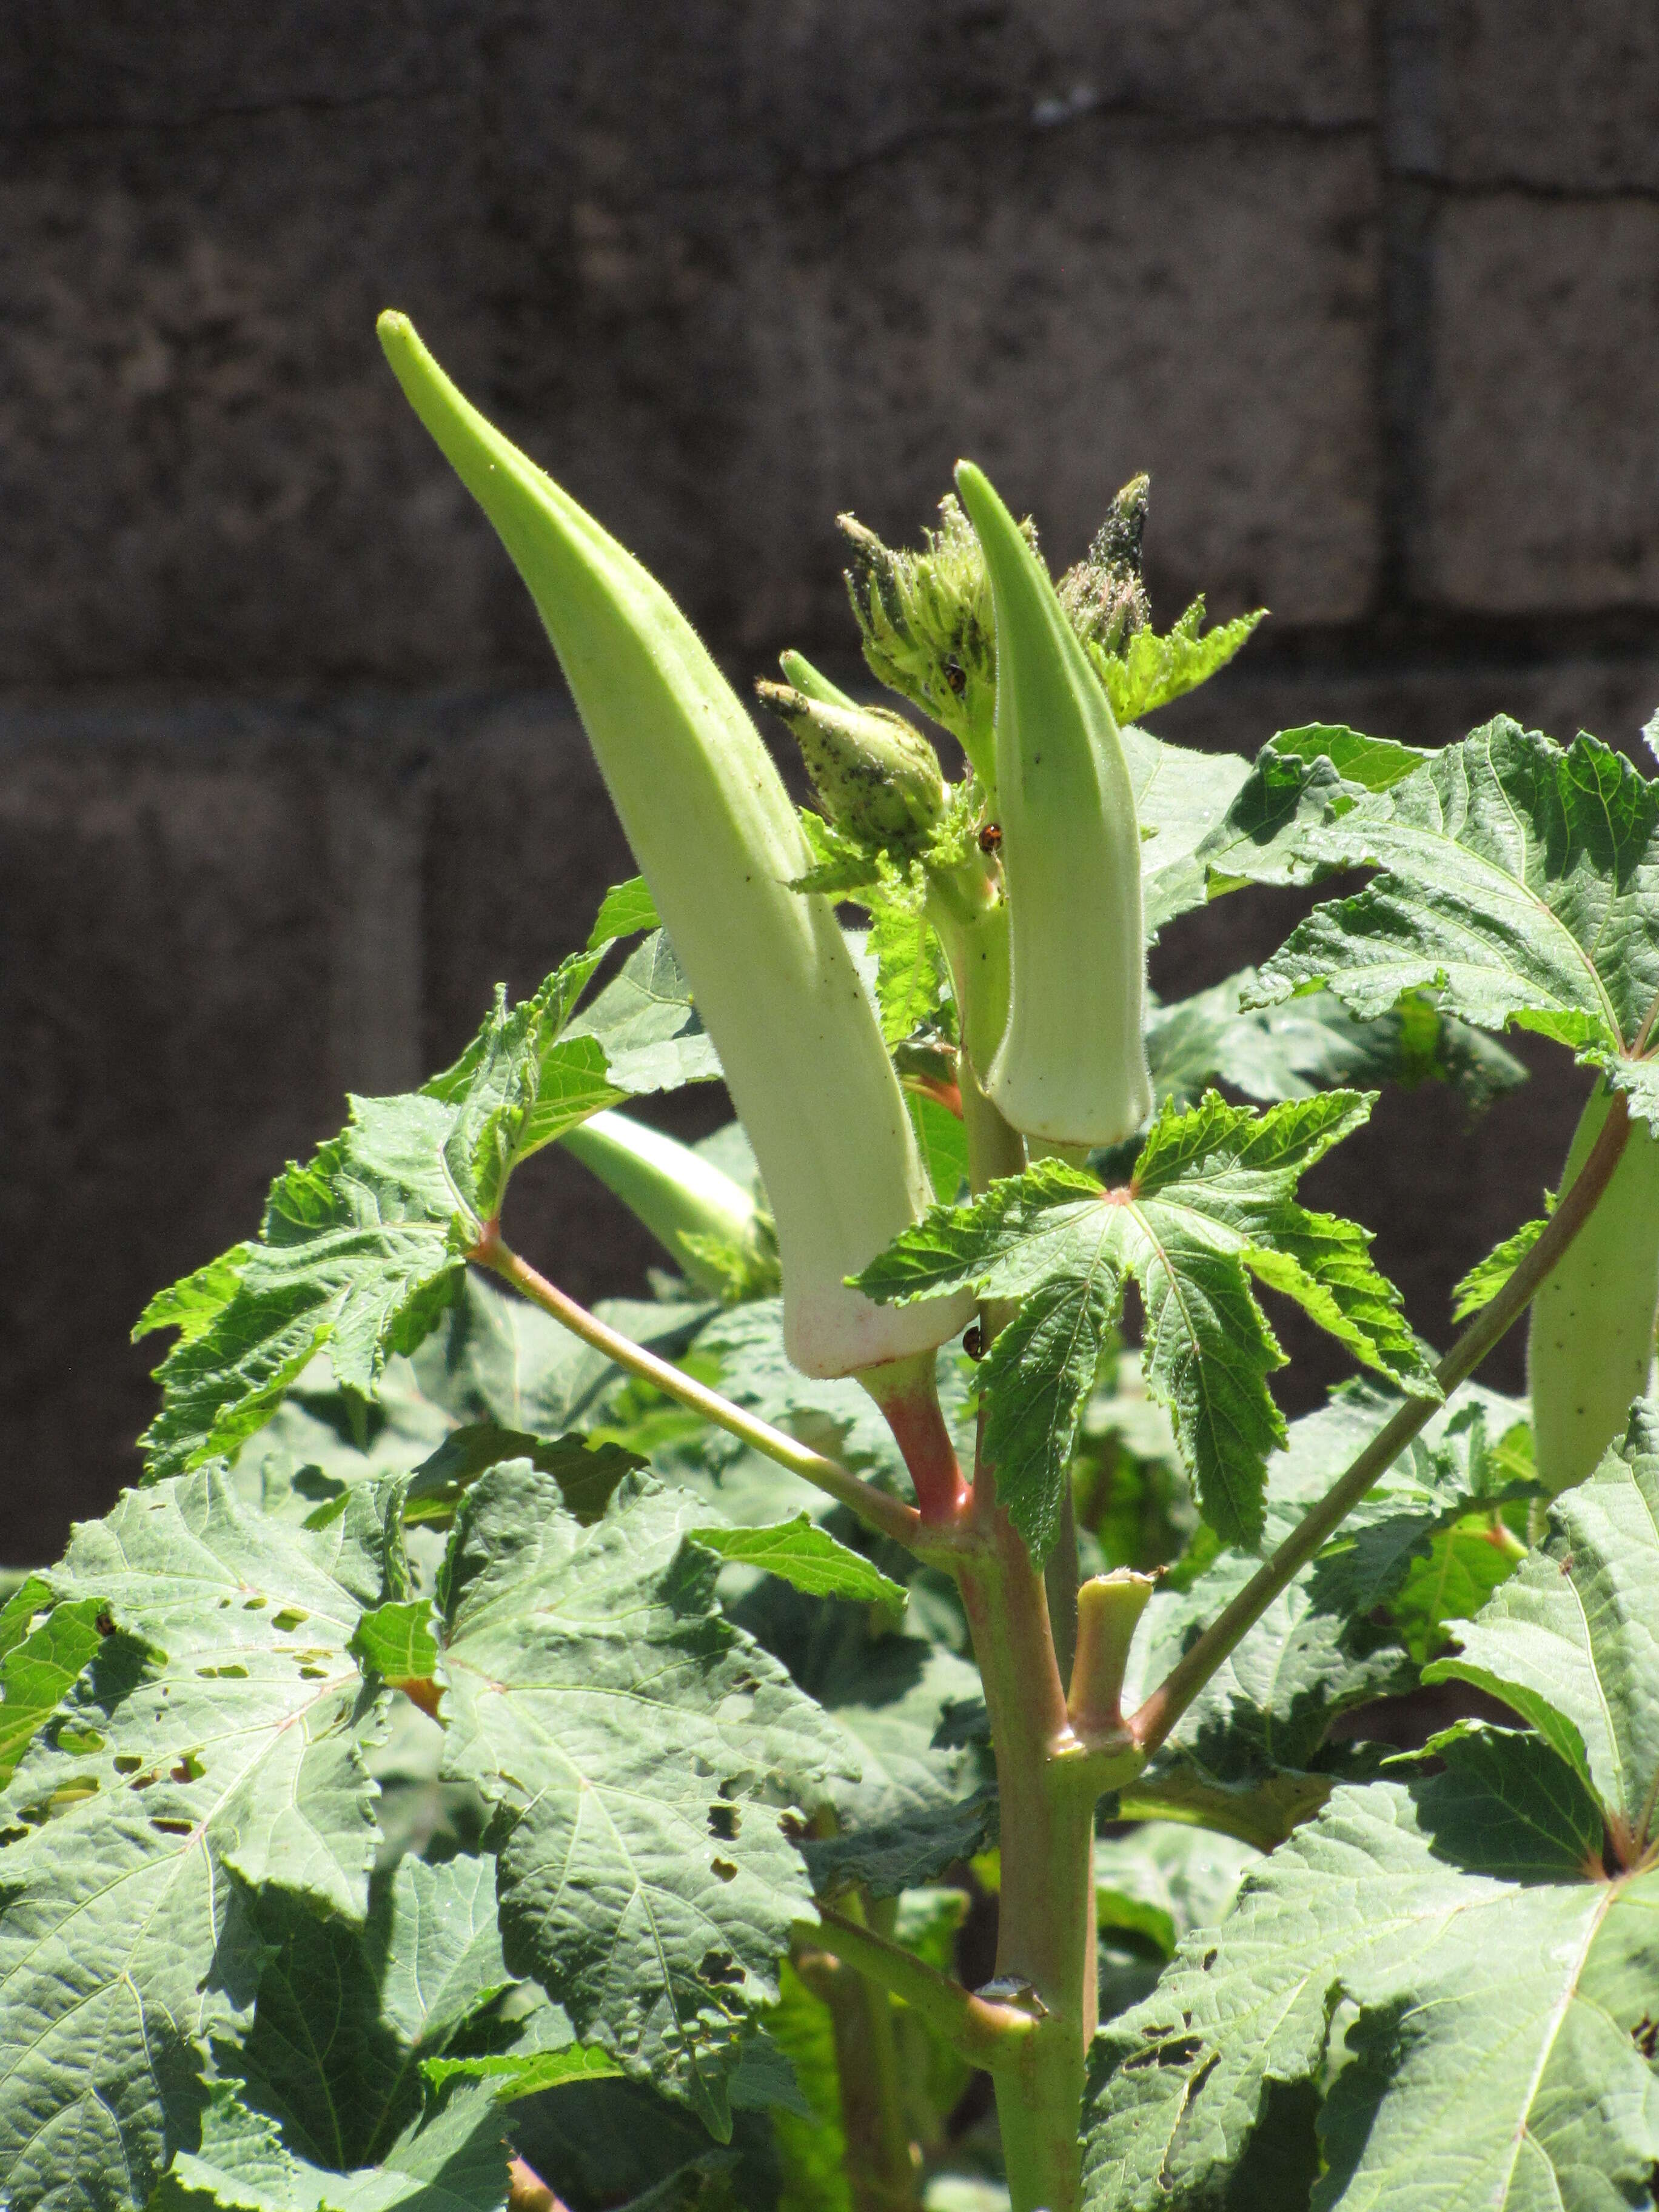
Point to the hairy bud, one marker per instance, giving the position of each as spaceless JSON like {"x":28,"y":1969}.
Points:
{"x":878,"y":777}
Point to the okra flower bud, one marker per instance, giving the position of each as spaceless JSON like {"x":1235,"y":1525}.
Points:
{"x":718,"y":842}
{"x":926,"y":620}
{"x":1105,"y":596}
{"x":1071,"y":1067}
{"x":1589,"y":1346}
{"x":878,"y":779}
{"x":709,"y":1224}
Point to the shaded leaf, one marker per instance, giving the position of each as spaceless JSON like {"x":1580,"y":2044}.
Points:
{"x":1314,"y":1043}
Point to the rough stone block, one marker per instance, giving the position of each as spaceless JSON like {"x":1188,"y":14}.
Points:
{"x":725,"y":273}
{"x":1534,"y":93}
{"x":1544,"y":438}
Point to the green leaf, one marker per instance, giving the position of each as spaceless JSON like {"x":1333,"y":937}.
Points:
{"x":1519,"y":879}
{"x":1494,"y":1981}
{"x":650,"y":1035}
{"x":1569,"y":1641}
{"x":624,"y":911}
{"x":193,"y":1304}
{"x":1151,"y":671}
{"x":348,"y":2015}
{"x":220,"y":1730}
{"x":1294,"y":789}
{"x":1211,"y":1202}
{"x":396,"y":1641}
{"x":813,"y":2152}
{"x":1488,"y":1276}
{"x":363,"y":1247}
{"x":1452,"y":1941}
{"x":496,"y":1359}
{"x":640,"y":1745}
{"x":807,"y":1557}
{"x":40,"y":1659}
{"x":1182,"y":798}
{"x":911,"y":980}
{"x":586,"y":1473}
{"x":1314,"y":1043}
{"x":943,"y":1143}
{"x":452,"y":2161}
{"x":513,"y":2073}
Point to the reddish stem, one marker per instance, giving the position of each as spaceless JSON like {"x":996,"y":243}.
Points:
{"x":908,"y":1394}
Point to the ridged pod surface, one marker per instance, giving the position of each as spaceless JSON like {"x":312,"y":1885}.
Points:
{"x":1071,"y":1067}
{"x":1589,"y":1350}
{"x":718,"y":842}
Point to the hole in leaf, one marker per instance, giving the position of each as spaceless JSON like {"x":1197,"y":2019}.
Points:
{"x":312,"y":1674}
{"x":719,"y":1968}
{"x":174,"y":1827}
{"x":189,"y":1768}
{"x":254,"y":1604}
{"x":792,"y":1826}
{"x":723,"y":1821}
{"x":1645,"y":2036}
{"x":1210,"y":1958}
{"x":289,"y":1617}
{"x":724,"y":1869}
{"x":104,"y":1625}
{"x":127,"y":1762}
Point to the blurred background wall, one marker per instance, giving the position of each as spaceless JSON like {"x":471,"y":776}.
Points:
{"x":286,"y":778}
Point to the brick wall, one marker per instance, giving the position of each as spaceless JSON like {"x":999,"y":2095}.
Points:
{"x":285,"y":782}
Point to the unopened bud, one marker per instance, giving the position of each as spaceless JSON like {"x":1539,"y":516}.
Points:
{"x":878,"y":777}
{"x":1104,"y":598}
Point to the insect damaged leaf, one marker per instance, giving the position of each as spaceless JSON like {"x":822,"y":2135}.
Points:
{"x":647,"y":1754}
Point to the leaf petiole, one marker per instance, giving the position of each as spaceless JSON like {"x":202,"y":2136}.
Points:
{"x":888,"y":1516}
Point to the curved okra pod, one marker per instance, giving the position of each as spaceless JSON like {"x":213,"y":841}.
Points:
{"x":713,"y":830}
{"x":1589,"y":1346}
{"x":709,"y":1224}
{"x":1071,"y":1066}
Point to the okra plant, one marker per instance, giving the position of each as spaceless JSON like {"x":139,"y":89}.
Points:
{"x":888,"y":1721}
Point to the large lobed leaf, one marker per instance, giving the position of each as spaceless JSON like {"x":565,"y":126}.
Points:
{"x":1520,"y":880}
{"x":215,"y":1743}
{"x":647,"y":1755}
{"x":1463,"y":1966}
{"x":364,"y":1246}
{"x":1211,"y":1202}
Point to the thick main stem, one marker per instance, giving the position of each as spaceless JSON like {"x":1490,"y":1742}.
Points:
{"x":1046,"y":1918}
{"x":1164,"y":1707}
{"x":888,"y":1516}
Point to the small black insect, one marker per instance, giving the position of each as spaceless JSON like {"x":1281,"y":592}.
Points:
{"x":956,"y":676}
{"x":973,"y":1341}
{"x":990,"y":837}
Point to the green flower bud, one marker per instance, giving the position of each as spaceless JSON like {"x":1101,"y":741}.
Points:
{"x":1104,"y":598}
{"x":1589,"y":1344}
{"x":1072,"y":1066}
{"x":926,"y":619}
{"x":878,"y":777}
{"x":719,"y":843}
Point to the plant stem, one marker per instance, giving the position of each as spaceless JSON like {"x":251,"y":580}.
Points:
{"x":985,"y":2032}
{"x":1046,"y":1915}
{"x":882,"y":2170}
{"x":1164,"y":1707}
{"x":888,"y":1516}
